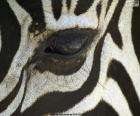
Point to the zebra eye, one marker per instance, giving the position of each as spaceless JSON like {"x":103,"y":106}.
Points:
{"x":65,"y":48}
{"x":68,"y":42}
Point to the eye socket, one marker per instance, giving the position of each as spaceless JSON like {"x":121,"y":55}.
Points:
{"x":52,"y":56}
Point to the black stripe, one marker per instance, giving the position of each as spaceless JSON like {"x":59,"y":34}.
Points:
{"x":98,"y":8}
{"x":57,"y":8}
{"x":108,"y":5}
{"x":82,"y":6}
{"x":135,"y":31}
{"x":10,"y":35}
{"x":113,"y":25}
{"x":118,"y":73}
{"x":102,"y":109}
{"x":59,"y":102}
{"x":35,"y":9}
{"x":68,"y":2}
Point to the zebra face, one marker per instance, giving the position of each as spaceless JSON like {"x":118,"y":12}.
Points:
{"x":60,"y":44}
{"x":69,"y":57}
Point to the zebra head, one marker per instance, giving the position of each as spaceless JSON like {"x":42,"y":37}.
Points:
{"x":66,"y":36}
{"x":59,"y":53}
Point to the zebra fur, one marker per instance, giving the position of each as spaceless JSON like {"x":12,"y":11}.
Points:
{"x":96,"y":88}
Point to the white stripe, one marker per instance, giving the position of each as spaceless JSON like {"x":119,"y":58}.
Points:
{"x":114,"y":96}
{"x":20,"y":13}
